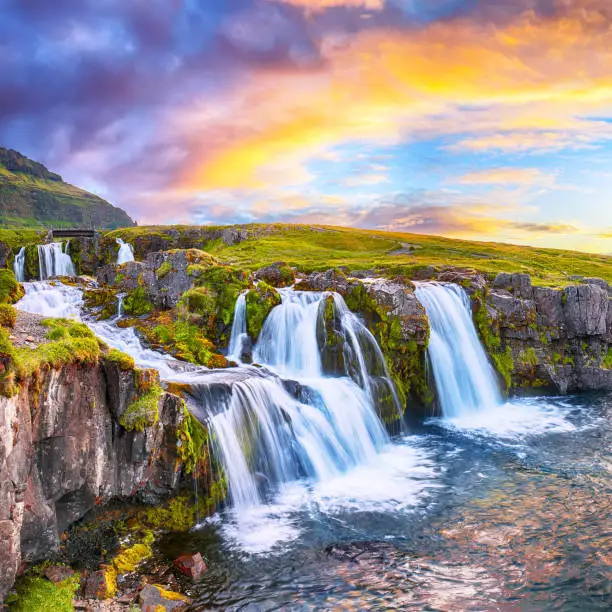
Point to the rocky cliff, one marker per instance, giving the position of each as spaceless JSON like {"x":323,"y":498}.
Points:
{"x":65,"y":447}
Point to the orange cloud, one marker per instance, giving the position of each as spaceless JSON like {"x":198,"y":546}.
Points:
{"x":507,"y":176}
{"x":514,"y":89}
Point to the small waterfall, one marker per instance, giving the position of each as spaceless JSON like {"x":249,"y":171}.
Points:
{"x":54,"y":260}
{"x":19,"y":265}
{"x":239,"y":330}
{"x":465,"y":380}
{"x":126,"y":252}
{"x":52,"y":300}
{"x":120,"y":305}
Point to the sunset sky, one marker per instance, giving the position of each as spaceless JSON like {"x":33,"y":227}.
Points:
{"x":483,"y":119}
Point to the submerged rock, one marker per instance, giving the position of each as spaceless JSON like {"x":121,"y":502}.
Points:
{"x":154,"y":598}
{"x":191,"y":565}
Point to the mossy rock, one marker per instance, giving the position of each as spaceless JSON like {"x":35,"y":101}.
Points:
{"x":137,"y":303}
{"x":11,"y":290}
{"x":144,"y":411}
{"x":259,"y":303}
{"x":103,"y":299}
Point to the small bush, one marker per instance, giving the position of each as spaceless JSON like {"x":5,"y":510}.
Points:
{"x":10,"y":290}
{"x":8,"y":315}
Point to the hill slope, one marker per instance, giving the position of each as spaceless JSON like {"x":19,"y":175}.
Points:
{"x":310,"y":248}
{"x":31,"y":196}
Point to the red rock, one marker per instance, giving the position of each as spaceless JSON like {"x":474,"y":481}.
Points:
{"x":191,"y":565}
{"x":97,"y":586}
{"x":154,"y":598}
{"x":58,"y":573}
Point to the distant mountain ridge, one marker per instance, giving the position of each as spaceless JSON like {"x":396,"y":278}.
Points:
{"x":32,"y":196}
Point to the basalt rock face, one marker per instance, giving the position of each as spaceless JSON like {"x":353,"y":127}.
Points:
{"x":62,"y":451}
{"x":165,"y":276}
{"x":541,"y":337}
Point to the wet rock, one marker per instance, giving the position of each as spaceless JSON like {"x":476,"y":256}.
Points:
{"x":57,"y":573}
{"x":191,"y":565}
{"x":154,"y":598}
{"x":361,"y":552}
{"x":97,"y":587}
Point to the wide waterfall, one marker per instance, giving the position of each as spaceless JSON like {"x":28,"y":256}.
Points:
{"x":311,"y":425}
{"x":54,"y":260}
{"x":126,"y":252}
{"x":19,"y":265}
{"x":465,"y":380}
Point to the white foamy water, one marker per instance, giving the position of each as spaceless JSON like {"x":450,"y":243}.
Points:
{"x":52,"y":299}
{"x":515,"y":420}
{"x":126,"y":252}
{"x":19,"y":265}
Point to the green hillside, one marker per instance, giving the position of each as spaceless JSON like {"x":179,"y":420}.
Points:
{"x":32,"y":196}
{"x":310,"y":248}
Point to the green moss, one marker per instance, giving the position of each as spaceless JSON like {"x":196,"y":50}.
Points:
{"x":259,"y":303}
{"x":144,"y":411}
{"x":10,"y":290}
{"x":136,"y":303}
{"x":211,"y":303}
{"x":164,"y":270}
{"x":179,"y":515}
{"x":8,"y":315}
{"x":607,"y":360}
{"x":192,"y":444}
{"x":31,"y":264}
{"x":528,"y":357}
{"x":37,"y":594}
{"x":504,"y":363}
{"x":131,"y":557}
{"x":187,"y":341}
{"x":123,"y":361}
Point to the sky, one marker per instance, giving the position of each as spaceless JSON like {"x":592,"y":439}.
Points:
{"x":476,"y":119}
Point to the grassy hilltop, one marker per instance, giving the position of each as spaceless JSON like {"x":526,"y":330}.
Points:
{"x":32,"y":196}
{"x":311,"y":248}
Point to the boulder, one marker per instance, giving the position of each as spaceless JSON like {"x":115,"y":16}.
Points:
{"x":585,"y":308}
{"x":517,"y":284}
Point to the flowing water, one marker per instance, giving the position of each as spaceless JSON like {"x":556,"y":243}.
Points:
{"x":465,"y":380}
{"x":496,"y":506}
{"x":126,"y":252}
{"x":19,"y":265}
{"x":54,"y":260}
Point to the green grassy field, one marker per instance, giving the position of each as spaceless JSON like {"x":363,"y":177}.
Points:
{"x":311,"y":248}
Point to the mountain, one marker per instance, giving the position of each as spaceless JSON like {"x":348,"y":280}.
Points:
{"x":32,"y":196}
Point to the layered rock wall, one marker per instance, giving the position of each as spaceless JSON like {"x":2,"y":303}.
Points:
{"x":62,"y":451}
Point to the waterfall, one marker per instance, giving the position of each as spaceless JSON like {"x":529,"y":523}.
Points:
{"x":126,"y":252}
{"x":465,"y":380}
{"x":19,"y":265}
{"x":239,"y":330}
{"x":54,"y":260}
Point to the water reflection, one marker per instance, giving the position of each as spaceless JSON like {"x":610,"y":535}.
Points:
{"x":526,"y":526}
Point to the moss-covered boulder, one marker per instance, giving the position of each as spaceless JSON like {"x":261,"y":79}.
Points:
{"x":259,"y":303}
{"x":11,"y":291}
{"x":136,"y":302}
{"x":278,"y":274}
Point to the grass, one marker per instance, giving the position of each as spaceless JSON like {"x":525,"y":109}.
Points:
{"x":37,"y":594}
{"x":313,"y":248}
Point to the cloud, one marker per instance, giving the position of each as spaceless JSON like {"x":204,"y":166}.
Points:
{"x":365,"y":180}
{"x":314,"y":6}
{"x":507,"y":176}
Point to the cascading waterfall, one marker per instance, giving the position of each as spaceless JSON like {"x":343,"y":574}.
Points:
{"x":126,"y":252}
{"x":54,"y":260}
{"x":465,"y":380}
{"x":268,"y":431}
{"x":19,"y":265}
{"x":327,"y":425}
